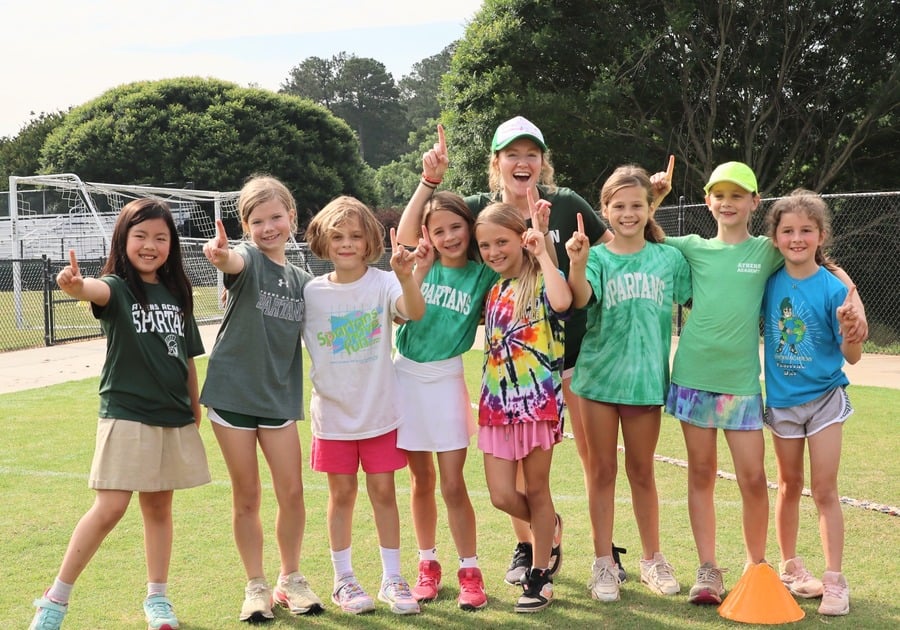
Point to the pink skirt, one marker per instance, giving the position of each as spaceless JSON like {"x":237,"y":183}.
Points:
{"x":515,"y":441}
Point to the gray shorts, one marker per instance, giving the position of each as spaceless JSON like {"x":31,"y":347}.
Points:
{"x":810,"y":418}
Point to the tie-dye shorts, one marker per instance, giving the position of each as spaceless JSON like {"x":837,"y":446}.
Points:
{"x":710,"y":410}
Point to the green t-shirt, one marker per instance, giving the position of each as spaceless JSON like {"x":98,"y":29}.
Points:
{"x":144,"y":376}
{"x":256,"y":364}
{"x":625,"y":352}
{"x":454,"y":299}
{"x":565,"y":206}
{"x":719,"y":348}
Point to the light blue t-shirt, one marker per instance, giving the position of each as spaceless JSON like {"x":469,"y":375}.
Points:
{"x":803,"y":358}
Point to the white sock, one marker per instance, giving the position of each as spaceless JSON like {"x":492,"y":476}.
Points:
{"x":468,"y":563}
{"x":60,"y":592}
{"x":156,"y":588}
{"x":343,"y":566}
{"x":390,"y":562}
{"x":428,"y":554}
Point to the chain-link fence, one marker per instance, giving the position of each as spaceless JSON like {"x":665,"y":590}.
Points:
{"x":866,"y":243}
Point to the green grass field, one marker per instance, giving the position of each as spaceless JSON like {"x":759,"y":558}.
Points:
{"x":50,"y":439}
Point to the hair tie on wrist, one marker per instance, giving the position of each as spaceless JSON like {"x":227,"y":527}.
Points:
{"x":427,"y":184}
{"x":429,"y":180}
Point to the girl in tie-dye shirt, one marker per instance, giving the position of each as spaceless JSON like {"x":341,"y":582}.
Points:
{"x":521,"y":405}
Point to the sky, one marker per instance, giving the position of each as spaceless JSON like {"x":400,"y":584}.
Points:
{"x":58,"y":54}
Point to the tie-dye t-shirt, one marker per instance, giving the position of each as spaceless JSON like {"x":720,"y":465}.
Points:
{"x":523,"y":361}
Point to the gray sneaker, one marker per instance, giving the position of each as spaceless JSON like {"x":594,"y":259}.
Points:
{"x":521,"y":562}
{"x":709,"y":587}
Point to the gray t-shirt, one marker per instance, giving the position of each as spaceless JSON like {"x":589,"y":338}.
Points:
{"x":256,"y":367}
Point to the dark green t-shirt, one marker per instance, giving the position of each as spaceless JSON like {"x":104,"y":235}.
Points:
{"x":565,"y":206}
{"x":144,"y":376}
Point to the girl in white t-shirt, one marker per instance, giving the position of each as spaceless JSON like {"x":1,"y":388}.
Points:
{"x":354,"y":407}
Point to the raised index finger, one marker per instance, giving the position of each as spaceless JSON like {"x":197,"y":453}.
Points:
{"x":442,"y":141}
{"x":580,"y":220}
{"x":850,"y":293}
{"x":220,"y":231}
{"x":670,"y":170}
{"x":73,"y":260}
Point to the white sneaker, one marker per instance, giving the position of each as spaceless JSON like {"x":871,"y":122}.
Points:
{"x":257,"y":601}
{"x":659,"y":576}
{"x":604,"y":582}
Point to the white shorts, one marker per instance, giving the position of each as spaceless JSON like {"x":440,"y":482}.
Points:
{"x":435,"y":405}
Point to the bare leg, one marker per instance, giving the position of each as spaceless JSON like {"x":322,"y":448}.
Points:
{"x":702,"y":466}
{"x":156,"y":509}
{"x":748,"y":453}
{"x":281,"y":448}
{"x":92,"y":529}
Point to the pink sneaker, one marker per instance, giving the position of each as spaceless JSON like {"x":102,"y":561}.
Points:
{"x":799,"y":580}
{"x":836,"y":599}
{"x":471,"y":589}
{"x":429,"y":581}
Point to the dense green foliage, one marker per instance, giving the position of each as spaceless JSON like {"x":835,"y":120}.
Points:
{"x":212,"y":133}
{"x":806,"y":92}
{"x":22,"y":155}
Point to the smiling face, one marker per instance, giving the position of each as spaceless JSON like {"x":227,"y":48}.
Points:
{"x":628,"y":211}
{"x":501,"y":248}
{"x":520,"y":165}
{"x":731,"y":205}
{"x":269,"y":225}
{"x":449,"y":234}
{"x":347,"y":248}
{"x":147,"y":247}
{"x":797,"y":237}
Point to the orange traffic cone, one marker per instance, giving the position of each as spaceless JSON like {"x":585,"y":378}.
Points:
{"x":760,"y":597}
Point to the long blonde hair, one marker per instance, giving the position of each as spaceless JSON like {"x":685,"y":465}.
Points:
{"x":507,"y":216}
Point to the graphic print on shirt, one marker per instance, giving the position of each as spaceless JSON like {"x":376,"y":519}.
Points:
{"x":352,"y":334}
{"x":446,"y":297}
{"x":279,"y":306}
{"x":793,"y":338}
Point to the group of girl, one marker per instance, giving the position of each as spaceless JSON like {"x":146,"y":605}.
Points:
{"x":549,"y":279}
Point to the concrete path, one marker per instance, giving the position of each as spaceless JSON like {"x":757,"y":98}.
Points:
{"x":39,"y":367}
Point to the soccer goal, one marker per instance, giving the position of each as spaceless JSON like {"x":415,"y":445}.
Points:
{"x":51,"y":214}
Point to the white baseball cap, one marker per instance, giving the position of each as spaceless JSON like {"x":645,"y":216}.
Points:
{"x":515,"y":128}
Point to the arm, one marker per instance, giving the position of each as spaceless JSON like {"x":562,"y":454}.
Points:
{"x":73,"y":284}
{"x":847,"y":316}
{"x":858,"y":331}
{"x":220,"y":255}
{"x":434,"y":165}
{"x":410,"y":303}
{"x":558,"y":293}
{"x":578,"y":247}
{"x":194,"y":391}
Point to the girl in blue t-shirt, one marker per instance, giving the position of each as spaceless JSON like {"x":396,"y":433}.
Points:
{"x":437,"y":416}
{"x":805,"y":311}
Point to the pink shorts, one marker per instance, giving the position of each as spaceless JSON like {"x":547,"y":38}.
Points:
{"x":515,"y":441}
{"x":343,"y":457}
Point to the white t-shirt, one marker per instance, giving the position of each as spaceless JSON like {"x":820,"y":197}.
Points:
{"x":347,"y":332}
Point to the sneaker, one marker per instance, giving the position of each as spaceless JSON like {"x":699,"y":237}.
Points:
{"x":350,"y":596}
{"x":293,"y":592}
{"x":659,"y":576}
{"x":49,"y":614}
{"x":159,"y":613}
{"x":604,"y":582}
{"x":395,"y":591}
{"x":537,"y":591}
{"x":521,"y":562}
{"x":471,"y":589}
{"x":836,"y":596}
{"x":556,"y":550}
{"x":799,"y":581}
{"x":617,"y":553}
{"x":257,"y":602}
{"x":710,"y":587}
{"x":429,"y":581}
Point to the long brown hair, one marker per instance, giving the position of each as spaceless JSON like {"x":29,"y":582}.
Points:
{"x":627,"y":176}
{"x":802,"y":201}
{"x":171,"y":274}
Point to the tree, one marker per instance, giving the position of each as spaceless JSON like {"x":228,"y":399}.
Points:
{"x":798,"y":90}
{"x":212,"y":133}
{"x":363,"y":93}
{"x":420,"y":88}
{"x":21,"y":155}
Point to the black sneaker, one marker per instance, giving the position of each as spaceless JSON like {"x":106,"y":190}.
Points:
{"x":537,"y":591}
{"x":556,"y":550}
{"x":521,"y":562}
{"x":615,"y":555}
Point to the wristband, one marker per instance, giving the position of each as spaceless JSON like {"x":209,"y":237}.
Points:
{"x":425,"y":178}
{"x":425,"y":183}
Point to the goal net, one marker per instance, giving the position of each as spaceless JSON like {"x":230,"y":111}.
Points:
{"x":51,"y":214}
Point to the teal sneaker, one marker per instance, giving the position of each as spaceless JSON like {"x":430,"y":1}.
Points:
{"x":49,"y":614}
{"x":160,"y":614}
